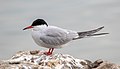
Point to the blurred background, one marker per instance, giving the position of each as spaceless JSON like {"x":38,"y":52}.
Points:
{"x":78,"y":15}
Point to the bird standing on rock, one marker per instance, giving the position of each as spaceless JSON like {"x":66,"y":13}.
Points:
{"x":54,"y":37}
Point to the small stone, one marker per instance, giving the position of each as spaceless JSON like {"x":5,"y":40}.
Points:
{"x":34,"y":52}
{"x":107,"y":65}
{"x":96,"y":63}
{"x":14,"y":62}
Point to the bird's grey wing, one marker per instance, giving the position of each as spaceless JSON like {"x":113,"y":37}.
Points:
{"x":54,"y":36}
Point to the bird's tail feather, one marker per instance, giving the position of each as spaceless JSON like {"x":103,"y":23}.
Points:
{"x":98,"y":34}
{"x":90,"y":33}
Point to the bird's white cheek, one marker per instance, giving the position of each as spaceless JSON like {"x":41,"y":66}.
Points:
{"x":35,"y":29}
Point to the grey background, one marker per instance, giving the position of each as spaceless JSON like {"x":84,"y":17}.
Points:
{"x":79,"y":15}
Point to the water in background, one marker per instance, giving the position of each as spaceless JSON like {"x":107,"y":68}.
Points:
{"x":79,"y":15}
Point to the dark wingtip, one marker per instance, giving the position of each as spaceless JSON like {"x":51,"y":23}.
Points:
{"x":101,"y":27}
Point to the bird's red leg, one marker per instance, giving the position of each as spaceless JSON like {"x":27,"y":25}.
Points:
{"x":49,"y":51}
{"x":52,"y":50}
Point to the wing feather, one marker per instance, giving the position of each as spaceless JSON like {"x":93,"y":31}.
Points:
{"x":55,"y":36}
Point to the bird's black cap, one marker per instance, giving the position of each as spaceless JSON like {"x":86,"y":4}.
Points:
{"x":39,"y":22}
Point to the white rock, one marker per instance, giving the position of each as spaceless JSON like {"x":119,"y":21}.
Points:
{"x":55,"y":61}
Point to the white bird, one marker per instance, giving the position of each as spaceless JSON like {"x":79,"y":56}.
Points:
{"x":54,"y":37}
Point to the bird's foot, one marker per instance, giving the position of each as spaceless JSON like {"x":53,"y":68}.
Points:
{"x":47,"y":53}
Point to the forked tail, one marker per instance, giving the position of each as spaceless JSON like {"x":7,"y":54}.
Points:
{"x":90,"y":33}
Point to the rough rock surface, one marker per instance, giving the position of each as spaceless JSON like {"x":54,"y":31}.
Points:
{"x":38,"y":60}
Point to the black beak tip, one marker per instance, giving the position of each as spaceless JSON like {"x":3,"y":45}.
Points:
{"x":24,"y":28}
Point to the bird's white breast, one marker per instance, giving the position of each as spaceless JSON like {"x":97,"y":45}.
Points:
{"x":37,"y":32}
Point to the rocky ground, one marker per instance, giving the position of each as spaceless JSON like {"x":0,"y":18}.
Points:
{"x":38,"y":60}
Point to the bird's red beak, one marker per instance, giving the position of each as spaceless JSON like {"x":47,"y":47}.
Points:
{"x":29,"y":27}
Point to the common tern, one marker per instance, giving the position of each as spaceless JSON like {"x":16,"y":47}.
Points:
{"x":54,"y":37}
